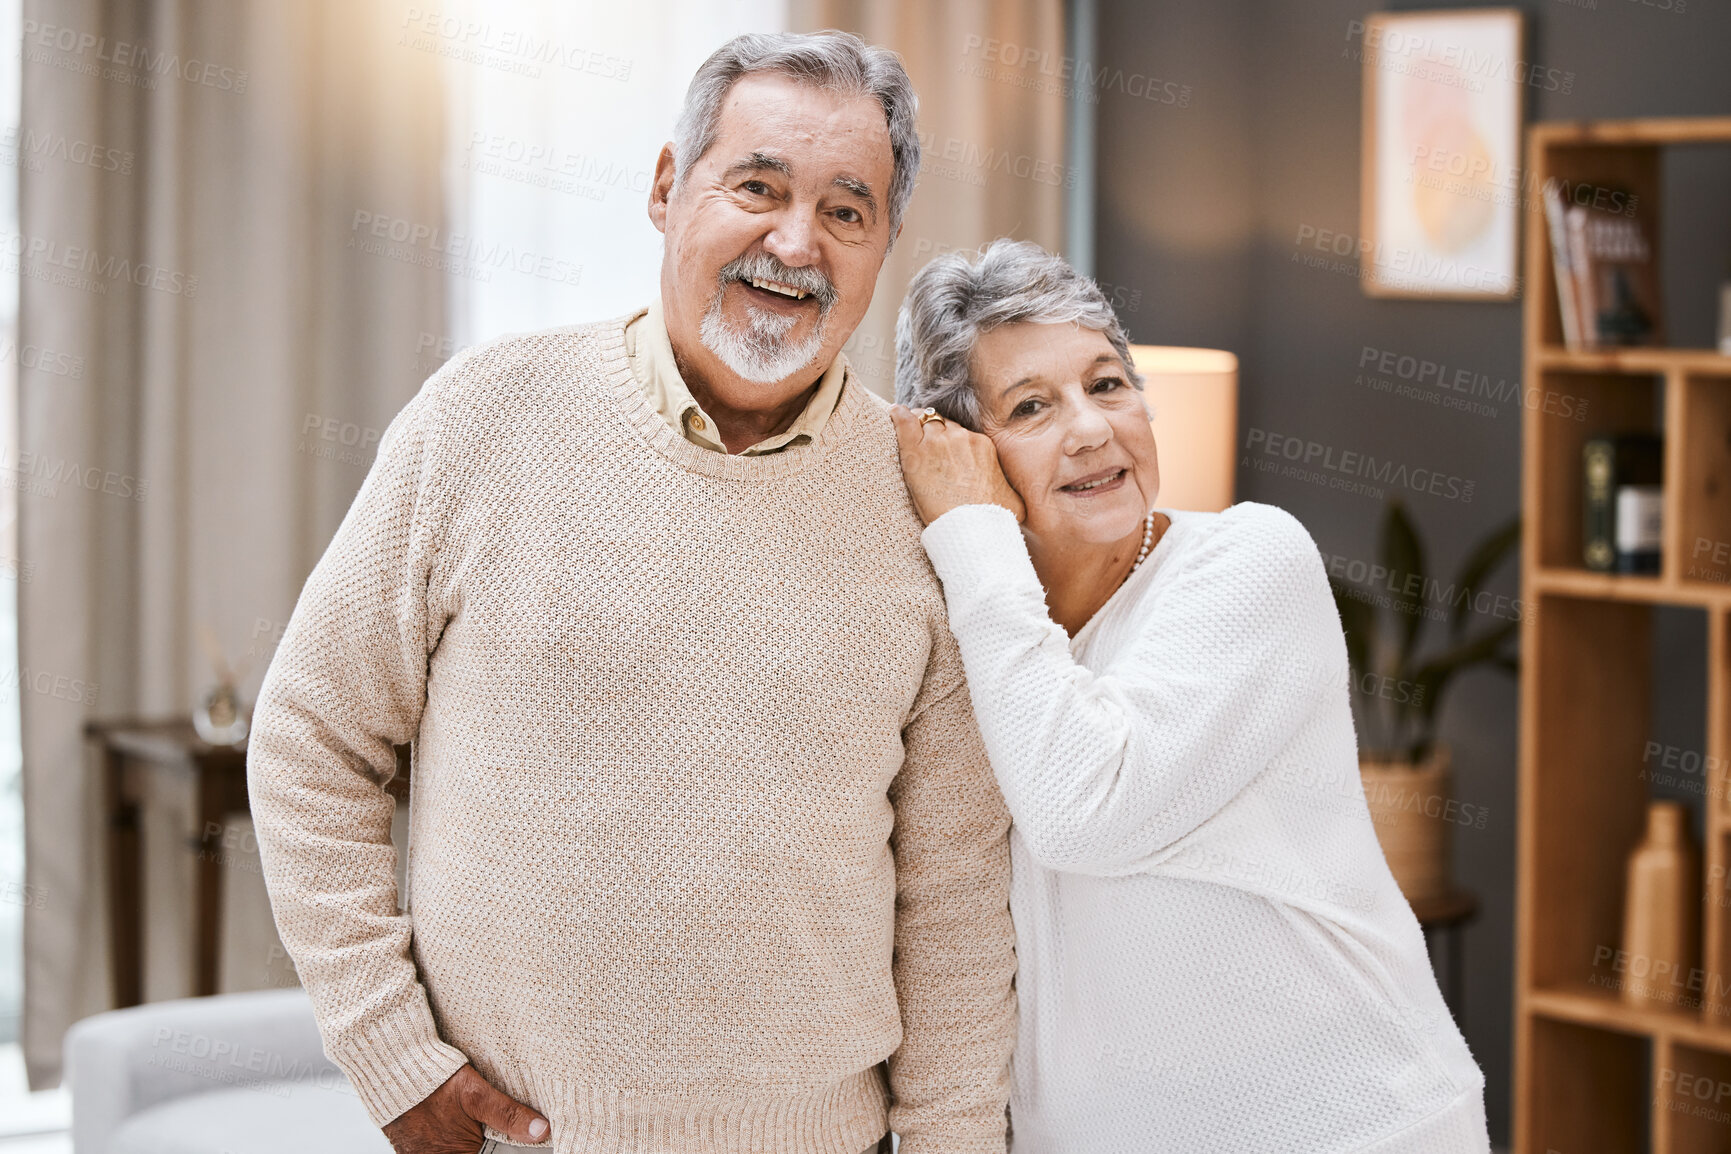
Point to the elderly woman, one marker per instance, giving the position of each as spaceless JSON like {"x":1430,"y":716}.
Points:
{"x":1213,"y":955}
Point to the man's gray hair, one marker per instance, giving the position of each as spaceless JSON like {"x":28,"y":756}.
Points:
{"x":957,"y":297}
{"x":838,"y":61}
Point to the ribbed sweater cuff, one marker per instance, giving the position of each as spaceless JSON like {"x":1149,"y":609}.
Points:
{"x":396,"y":1059}
{"x":973,"y":544}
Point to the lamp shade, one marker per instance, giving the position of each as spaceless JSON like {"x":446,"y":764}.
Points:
{"x":1193,"y":394}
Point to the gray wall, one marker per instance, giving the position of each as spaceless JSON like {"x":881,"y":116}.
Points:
{"x":1198,"y":211}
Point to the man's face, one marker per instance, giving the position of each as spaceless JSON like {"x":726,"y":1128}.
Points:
{"x":792,"y":194}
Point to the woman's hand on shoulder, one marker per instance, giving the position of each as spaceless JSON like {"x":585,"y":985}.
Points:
{"x":947,"y":466}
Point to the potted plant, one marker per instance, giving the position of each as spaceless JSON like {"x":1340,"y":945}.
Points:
{"x":1398,"y":685}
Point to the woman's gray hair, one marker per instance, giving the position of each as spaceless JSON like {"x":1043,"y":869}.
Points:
{"x":838,"y":61}
{"x":958,"y":297}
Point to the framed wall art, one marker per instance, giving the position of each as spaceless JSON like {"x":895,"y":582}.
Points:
{"x":1441,"y":180}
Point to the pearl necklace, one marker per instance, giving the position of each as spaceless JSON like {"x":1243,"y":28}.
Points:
{"x":1147,"y":541}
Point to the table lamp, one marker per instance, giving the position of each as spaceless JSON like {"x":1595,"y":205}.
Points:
{"x":1193,"y":394}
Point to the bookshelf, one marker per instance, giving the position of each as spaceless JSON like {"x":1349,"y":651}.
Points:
{"x":1591,"y":1072}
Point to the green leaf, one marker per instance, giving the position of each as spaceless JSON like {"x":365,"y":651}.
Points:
{"x":1358,"y":622}
{"x":1434,"y":677}
{"x":1403,"y":555}
{"x":1481,"y":563}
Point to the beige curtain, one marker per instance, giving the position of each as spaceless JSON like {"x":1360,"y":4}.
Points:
{"x":244,"y":339}
{"x":991,"y":79}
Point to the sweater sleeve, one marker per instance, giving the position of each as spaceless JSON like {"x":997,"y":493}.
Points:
{"x":1103,"y":771}
{"x":955,"y":956}
{"x":347,"y":683}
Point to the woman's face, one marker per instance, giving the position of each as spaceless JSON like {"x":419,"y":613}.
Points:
{"x":1072,"y":433}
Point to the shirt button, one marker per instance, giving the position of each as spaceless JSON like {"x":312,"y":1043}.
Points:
{"x":698,"y":423}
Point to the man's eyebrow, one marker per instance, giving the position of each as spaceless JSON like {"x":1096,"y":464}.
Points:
{"x":861,"y":189}
{"x":759,"y":162}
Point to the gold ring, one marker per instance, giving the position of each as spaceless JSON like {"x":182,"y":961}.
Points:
{"x":931,"y":415}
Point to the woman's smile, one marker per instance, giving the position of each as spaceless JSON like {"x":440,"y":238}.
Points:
{"x":1097,"y":484}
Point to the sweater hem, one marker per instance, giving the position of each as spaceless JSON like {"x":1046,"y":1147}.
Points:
{"x":1458,"y":1128}
{"x":843,"y":1117}
{"x":995,"y":1143}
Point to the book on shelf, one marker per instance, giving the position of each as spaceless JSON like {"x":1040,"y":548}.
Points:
{"x":1624,"y":503}
{"x":1566,"y":306}
{"x":1606,"y":271}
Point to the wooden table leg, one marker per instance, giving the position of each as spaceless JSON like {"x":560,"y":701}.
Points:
{"x":125,"y":887}
{"x":207,"y":915}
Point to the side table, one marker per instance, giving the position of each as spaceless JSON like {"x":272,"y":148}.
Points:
{"x":132,"y":749}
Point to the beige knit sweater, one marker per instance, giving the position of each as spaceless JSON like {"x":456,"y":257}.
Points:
{"x":679,"y":876}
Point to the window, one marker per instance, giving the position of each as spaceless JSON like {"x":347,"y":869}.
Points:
{"x":556,"y":115}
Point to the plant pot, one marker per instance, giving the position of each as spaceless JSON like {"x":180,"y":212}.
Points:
{"x":1409,"y":807}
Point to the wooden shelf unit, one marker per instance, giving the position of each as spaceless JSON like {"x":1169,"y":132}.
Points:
{"x":1592,"y":1073}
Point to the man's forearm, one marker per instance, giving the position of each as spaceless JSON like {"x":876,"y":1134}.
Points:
{"x":346,"y":685}
{"x":955,"y":946}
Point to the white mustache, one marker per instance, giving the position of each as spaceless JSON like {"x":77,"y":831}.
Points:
{"x":763,"y":266}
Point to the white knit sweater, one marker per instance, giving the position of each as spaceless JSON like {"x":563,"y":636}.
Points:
{"x":1212,"y":953}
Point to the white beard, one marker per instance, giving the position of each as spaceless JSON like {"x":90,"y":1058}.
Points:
{"x":758,"y":354}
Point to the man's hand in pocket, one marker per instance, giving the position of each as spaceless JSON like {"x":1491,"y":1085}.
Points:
{"x":449,"y":1120}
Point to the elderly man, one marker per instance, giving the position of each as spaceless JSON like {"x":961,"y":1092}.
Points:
{"x":701,"y":831}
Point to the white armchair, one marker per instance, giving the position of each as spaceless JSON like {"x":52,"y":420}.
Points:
{"x":232,"y":1074}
